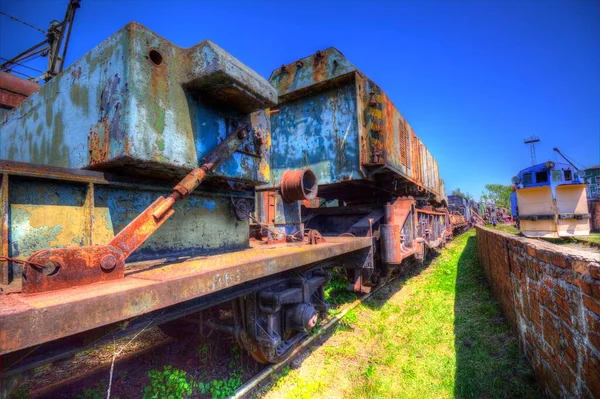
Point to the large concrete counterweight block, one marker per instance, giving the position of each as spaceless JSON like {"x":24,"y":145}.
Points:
{"x":137,"y":104}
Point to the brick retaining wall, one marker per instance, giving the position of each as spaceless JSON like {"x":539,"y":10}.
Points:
{"x":551,"y":297}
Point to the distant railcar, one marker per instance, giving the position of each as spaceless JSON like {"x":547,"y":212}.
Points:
{"x":550,"y":201}
{"x":376,"y":176}
{"x":460,"y":211}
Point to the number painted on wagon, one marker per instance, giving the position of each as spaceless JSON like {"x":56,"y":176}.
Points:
{"x":225,"y":280}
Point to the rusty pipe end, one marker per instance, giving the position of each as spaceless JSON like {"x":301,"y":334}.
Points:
{"x":299,"y":185}
{"x":165,"y":205}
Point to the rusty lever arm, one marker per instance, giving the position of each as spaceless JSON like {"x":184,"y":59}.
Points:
{"x":84,"y":265}
{"x":143,"y":226}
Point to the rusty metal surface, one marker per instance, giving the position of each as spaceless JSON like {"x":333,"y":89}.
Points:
{"x":28,"y":320}
{"x":393,"y":250}
{"x":142,"y":227}
{"x":299,"y":185}
{"x":141,"y":105}
{"x":51,"y":172}
{"x":339,"y":123}
{"x":69,"y":267}
{"x":13,"y":90}
{"x":319,"y":131}
{"x":4,"y":266}
{"x":315,"y":70}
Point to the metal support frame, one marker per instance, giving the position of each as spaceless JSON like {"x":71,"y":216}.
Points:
{"x":147,"y":288}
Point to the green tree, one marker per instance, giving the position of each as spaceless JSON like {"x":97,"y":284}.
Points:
{"x":499,"y":194}
{"x":457,"y":191}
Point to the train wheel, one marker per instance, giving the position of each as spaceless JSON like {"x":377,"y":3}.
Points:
{"x":421,"y":257}
{"x":276,"y":319}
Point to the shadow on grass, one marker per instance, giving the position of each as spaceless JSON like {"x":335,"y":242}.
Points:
{"x":409,"y":269}
{"x":488,"y":359}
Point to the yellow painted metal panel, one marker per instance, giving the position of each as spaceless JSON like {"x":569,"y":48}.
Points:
{"x":539,"y":228}
{"x":572,"y":198}
{"x":536,"y":201}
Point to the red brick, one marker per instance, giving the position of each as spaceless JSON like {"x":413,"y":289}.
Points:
{"x":591,"y":372}
{"x":594,"y":270}
{"x":546,"y":299}
{"x":560,"y":291}
{"x":565,"y":374}
{"x":571,"y":356}
{"x":591,"y":304}
{"x":585,"y":284}
{"x":531,"y":251}
{"x":564,"y":316}
{"x":551,"y":336}
{"x":559,"y":260}
{"x":556,"y":272}
{"x":594,"y":339}
{"x":548,"y":378}
{"x":562,"y":303}
{"x":544,"y":255}
{"x":593,"y":322}
{"x":593,"y":327}
{"x":579,"y":264}
{"x":531,"y":271}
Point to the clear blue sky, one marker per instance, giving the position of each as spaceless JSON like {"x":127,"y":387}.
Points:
{"x":474,"y":78}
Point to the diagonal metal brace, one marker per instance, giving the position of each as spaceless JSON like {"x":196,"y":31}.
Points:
{"x":69,"y":267}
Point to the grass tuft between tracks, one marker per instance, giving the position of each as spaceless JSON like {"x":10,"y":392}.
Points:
{"x":437,"y":333}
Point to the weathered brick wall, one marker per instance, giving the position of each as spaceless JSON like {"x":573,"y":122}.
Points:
{"x":551,"y":296}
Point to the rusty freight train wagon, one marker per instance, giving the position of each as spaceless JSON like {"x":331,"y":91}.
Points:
{"x":97,"y":234}
{"x":376,"y":177}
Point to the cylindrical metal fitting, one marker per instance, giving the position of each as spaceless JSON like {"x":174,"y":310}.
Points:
{"x":108,"y":262}
{"x":299,"y":185}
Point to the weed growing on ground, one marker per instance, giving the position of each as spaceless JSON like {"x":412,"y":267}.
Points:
{"x":336,"y":292}
{"x":351,"y":317}
{"x":222,"y":388}
{"x":168,"y":383}
{"x":225,"y":387}
{"x":19,"y":393}
{"x":203,"y":354}
{"x":99,"y":392}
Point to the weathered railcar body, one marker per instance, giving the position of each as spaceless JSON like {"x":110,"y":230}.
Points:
{"x":460,"y":213}
{"x":94,"y":233}
{"x":13,"y":91}
{"x":138,"y":104}
{"x":340,"y":123}
{"x":376,"y":176}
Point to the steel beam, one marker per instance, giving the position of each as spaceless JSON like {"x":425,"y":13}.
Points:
{"x":28,"y":320}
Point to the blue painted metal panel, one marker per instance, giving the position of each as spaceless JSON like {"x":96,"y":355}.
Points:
{"x":46,"y":214}
{"x":341,"y":124}
{"x":540,"y":175}
{"x":320,"y":131}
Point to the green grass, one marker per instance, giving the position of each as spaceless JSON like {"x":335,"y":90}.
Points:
{"x":505,"y":227}
{"x":437,"y":334}
{"x":593,"y":237}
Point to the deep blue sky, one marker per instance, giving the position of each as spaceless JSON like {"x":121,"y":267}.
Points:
{"x":473,"y":78}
